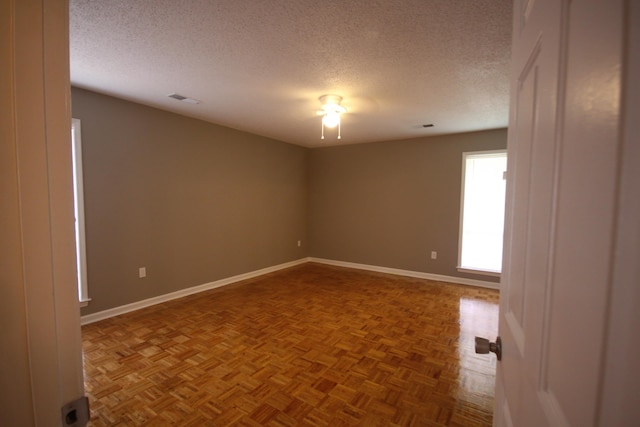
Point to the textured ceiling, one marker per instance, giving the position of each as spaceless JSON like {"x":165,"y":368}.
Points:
{"x":260,"y":66}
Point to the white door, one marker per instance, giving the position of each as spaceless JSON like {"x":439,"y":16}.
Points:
{"x":564,"y":144}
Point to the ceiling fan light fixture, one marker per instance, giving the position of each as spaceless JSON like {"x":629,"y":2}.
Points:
{"x":331,"y":110}
{"x":331,"y":119}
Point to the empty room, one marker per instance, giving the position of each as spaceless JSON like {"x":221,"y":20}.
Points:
{"x":404,"y":213}
{"x":175,"y":202}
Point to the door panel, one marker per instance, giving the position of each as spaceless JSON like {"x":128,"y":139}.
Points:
{"x":532,"y":178}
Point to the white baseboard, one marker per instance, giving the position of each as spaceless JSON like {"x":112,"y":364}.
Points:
{"x":409,"y":273}
{"x":101,"y":315}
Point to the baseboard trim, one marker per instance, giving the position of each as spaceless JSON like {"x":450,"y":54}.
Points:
{"x":112,"y":312}
{"x":409,"y":273}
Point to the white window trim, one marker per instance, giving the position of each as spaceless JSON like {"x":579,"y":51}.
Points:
{"x":477,"y":271}
{"x":461,"y":269}
{"x":81,"y":258}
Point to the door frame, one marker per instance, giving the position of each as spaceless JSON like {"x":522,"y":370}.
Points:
{"x":620,"y":391}
{"x":42,"y":360}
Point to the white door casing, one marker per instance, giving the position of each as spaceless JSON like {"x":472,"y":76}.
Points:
{"x":620,"y":402}
{"x":563,"y":179}
{"x":41,"y":367}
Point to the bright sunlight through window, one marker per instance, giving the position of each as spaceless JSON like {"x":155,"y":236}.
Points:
{"x":482,"y":211}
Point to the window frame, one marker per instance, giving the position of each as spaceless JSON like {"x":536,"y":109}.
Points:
{"x":459,"y":266}
{"x":78,"y":210}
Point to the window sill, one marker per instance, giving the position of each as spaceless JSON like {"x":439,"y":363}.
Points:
{"x":85,"y":302}
{"x":482,"y":272}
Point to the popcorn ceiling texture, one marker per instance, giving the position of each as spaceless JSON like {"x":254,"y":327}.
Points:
{"x":260,"y":66}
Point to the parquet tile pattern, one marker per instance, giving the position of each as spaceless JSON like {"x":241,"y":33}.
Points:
{"x":313,"y":345}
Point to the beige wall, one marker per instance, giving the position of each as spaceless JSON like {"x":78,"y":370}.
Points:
{"x":190,"y":201}
{"x":390,"y":204}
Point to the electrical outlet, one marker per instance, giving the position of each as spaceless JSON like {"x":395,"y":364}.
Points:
{"x":299,"y":243}
{"x":142,"y":272}
{"x":434,"y":255}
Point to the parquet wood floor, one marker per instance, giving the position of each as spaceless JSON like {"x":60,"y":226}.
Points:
{"x":312,"y":345}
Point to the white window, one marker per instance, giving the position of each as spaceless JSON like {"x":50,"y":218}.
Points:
{"x":78,"y":208}
{"x":482,"y":211}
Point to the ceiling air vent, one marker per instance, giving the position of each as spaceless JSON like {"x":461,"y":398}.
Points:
{"x":183,"y":98}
